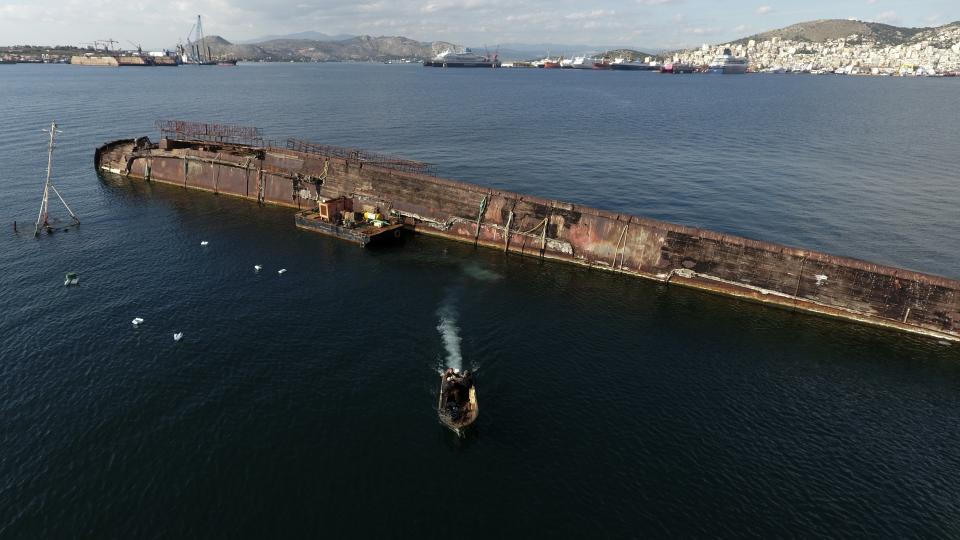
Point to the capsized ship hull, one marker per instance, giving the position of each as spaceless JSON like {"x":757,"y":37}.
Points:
{"x":754,"y":270}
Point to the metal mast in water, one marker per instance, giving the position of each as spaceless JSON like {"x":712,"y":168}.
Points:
{"x":45,"y":204}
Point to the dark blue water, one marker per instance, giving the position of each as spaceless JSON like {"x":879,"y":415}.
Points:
{"x":302,"y":404}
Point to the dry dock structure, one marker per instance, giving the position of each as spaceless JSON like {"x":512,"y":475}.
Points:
{"x":118,"y":60}
{"x":237,"y":161}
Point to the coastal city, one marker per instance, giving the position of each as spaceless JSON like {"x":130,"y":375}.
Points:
{"x":930,"y":52}
{"x":818,"y":47}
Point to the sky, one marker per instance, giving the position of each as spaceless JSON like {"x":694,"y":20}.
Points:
{"x":650,"y":24}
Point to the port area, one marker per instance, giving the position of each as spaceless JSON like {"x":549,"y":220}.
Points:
{"x":337,"y":218}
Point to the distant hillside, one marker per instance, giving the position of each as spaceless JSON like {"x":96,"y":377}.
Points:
{"x":359,"y":49}
{"x":628,"y":54}
{"x":221,"y":48}
{"x":536,"y":51}
{"x":831,"y":29}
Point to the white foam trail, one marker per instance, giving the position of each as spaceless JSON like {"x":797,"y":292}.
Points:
{"x":450,"y":332}
{"x":480,"y":273}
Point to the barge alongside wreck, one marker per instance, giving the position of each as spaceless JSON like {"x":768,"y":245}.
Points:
{"x":237,"y":161}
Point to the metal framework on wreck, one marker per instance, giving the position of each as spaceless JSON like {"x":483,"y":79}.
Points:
{"x":360,"y":156}
{"x":186,"y":131}
{"x":182,"y":130}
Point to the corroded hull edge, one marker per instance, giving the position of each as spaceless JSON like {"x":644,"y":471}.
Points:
{"x":724,"y":264}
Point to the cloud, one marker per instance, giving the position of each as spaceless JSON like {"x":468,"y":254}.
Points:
{"x":888,"y":17}
{"x":371,"y":8}
{"x":595,"y":14}
{"x":454,"y":5}
{"x":20,"y":12}
{"x":659,"y":23}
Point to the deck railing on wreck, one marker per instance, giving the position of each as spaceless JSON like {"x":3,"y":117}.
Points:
{"x":182,"y":130}
{"x":357,"y":156}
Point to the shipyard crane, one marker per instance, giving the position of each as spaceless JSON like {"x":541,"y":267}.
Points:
{"x":107,"y":43}
{"x":196,"y":46}
{"x":137,"y":45}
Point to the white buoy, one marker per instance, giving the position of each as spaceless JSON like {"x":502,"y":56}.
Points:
{"x":257,"y":268}
{"x":178,"y":336}
{"x":204,"y":242}
{"x":281,"y":271}
{"x":136,"y":321}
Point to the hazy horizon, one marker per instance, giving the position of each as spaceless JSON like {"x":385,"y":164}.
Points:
{"x":643,"y":24}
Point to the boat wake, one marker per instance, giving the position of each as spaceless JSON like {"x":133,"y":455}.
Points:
{"x":448,"y":315}
{"x":450,"y":331}
{"x":479,"y":273}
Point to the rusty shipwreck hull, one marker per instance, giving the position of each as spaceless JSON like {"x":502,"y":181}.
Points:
{"x":515,"y":223}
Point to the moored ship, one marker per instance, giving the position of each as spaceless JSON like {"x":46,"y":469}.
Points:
{"x":676,"y":67}
{"x":582,"y":62}
{"x":621,"y":64}
{"x":467,"y":58}
{"x":728,"y":64}
{"x":549,"y":63}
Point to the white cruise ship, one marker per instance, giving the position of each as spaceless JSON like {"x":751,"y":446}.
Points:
{"x":467,"y":58}
{"x":729,"y":64}
{"x":582,"y":62}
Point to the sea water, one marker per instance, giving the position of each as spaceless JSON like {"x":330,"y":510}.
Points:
{"x":303,"y":403}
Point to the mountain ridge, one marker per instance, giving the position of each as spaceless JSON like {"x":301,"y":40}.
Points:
{"x":357,"y":48}
{"x":301,"y":47}
{"x":821,"y":30}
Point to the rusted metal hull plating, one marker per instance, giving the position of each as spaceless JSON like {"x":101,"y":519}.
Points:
{"x":701,"y":259}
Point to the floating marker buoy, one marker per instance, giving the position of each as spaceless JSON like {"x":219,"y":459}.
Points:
{"x":136,"y":321}
{"x":257,"y":268}
{"x":178,"y":336}
{"x":281,"y":271}
{"x":204,"y":242}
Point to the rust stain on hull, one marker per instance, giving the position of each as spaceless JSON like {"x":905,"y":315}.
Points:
{"x":296,"y":175}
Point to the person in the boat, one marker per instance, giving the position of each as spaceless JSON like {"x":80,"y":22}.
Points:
{"x":455,"y":394}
